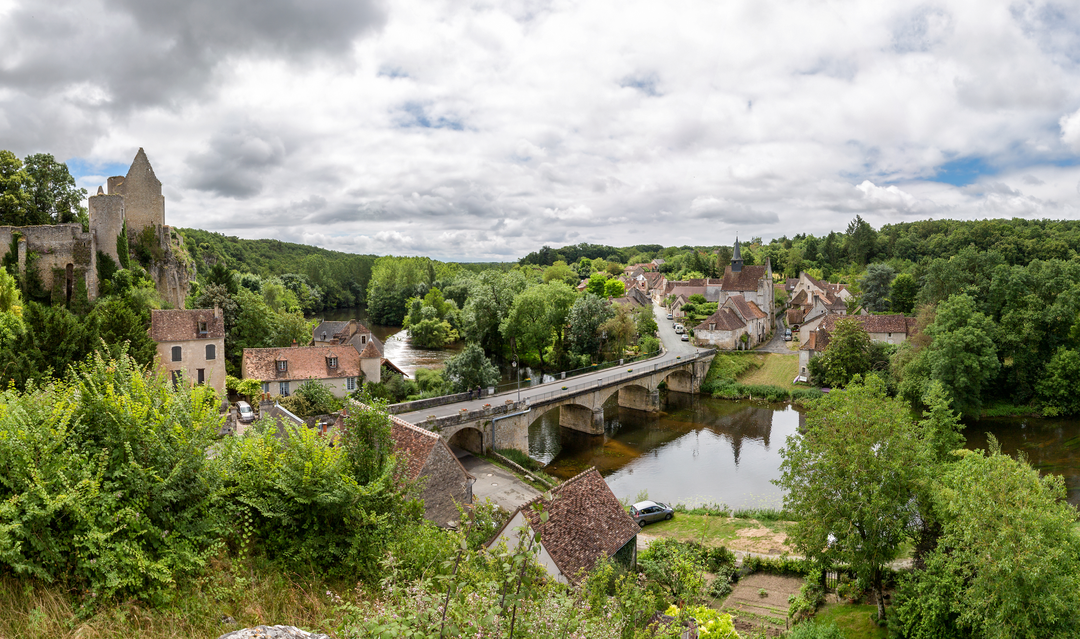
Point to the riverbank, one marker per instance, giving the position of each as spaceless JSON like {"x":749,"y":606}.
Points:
{"x":751,"y":375}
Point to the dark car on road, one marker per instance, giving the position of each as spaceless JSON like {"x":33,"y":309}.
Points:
{"x":645,"y":512}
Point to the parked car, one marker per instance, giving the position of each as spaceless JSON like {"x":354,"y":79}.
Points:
{"x":686,"y":337}
{"x":670,"y":316}
{"x":244,"y":412}
{"x":645,"y":512}
{"x":787,"y":334}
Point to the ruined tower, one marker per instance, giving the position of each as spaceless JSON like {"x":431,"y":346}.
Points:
{"x":144,"y":205}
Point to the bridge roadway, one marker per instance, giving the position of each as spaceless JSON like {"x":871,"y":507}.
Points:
{"x":516,"y":412}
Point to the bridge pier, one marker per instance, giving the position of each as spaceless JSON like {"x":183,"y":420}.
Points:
{"x":582,"y":418}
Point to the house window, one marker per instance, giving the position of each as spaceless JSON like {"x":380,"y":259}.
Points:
{"x":331,"y":362}
{"x":324,"y":336}
{"x":202,"y":329}
{"x":211,"y":351}
{"x":177,"y":377}
{"x":283,"y":389}
{"x":363,"y":339}
{"x":200,"y":375}
{"x":177,"y":353}
{"x":282,"y":365}
{"x":350,"y":383}
{"x":266,"y":387}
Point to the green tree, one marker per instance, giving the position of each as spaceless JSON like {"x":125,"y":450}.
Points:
{"x":903,"y":293}
{"x":876,"y":287}
{"x":847,"y":355}
{"x":1059,"y":389}
{"x":122,"y":327}
{"x":53,"y":197}
{"x":586,"y":316}
{"x":614,"y":288}
{"x":1007,"y":563}
{"x":13,"y":195}
{"x":849,"y":477}
{"x":536,"y":318}
{"x":559,"y":271}
{"x":491,"y":294}
{"x":962,"y":355}
{"x":619,"y":331}
{"x":596,"y":284}
{"x":470,"y":369}
{"x":860,"y":240}
{"x":10,"y":297}
{"x":54,"y":339}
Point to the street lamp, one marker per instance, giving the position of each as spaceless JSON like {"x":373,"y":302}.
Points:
{"x":518,"y":371}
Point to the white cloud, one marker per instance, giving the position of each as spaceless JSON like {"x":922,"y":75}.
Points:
{"x":488,"y":129}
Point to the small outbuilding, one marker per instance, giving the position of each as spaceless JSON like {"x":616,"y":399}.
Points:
{"x":585,"y":523}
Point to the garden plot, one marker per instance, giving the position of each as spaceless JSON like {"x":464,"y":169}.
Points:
{"x":752,"y":611}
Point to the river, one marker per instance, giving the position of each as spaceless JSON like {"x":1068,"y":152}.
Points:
{"x":703,"y":450}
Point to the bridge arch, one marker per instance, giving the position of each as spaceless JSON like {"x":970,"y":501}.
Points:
{"x":468,"y":438}
{"x":680,"y":381}
{"x":638,"y":395}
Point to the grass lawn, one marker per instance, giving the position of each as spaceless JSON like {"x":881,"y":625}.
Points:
{"x":710,"y":530}
{"x":856,"y":620}
{"x":772,"y":369}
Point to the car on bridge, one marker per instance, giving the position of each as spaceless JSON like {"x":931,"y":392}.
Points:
{"x":645,"y":512}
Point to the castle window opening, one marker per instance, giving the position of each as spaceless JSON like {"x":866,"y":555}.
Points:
{"x":69,"y":282}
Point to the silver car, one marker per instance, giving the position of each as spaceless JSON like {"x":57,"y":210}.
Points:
{"x":645,"y":512}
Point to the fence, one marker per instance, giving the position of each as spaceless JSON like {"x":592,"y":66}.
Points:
{"x":632,"y":373}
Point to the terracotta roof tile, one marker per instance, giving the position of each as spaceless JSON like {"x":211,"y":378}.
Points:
{"x":745,"y":280}
{"x":182,"y":325}
{"x":370,"y":351}
{"x":872,"y":323}
{"x":748,"y":309}
{"x":585,"y":522}
{"x":795,"y":316}
{"x":724,"y":319}
{"x":304,"y":362}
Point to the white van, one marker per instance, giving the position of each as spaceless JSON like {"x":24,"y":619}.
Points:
{"x":679,"y":329}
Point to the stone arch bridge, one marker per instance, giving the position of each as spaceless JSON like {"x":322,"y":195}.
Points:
{"x":581,"y":403}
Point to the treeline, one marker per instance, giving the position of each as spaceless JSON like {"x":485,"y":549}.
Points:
{"x":320,"y":278}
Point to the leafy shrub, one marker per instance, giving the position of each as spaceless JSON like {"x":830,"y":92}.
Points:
{"x":804,"y":604}
{"x":311,"y":398}
{"x":310,"y":504}
{"x":677,"y":568}
{"x":104,"y":480}
{"x":764,"y":514}
{"x":710,"y":623}
{"x":480,"y":522}
{"x":779,"y":566}
{"x":520,"y":458}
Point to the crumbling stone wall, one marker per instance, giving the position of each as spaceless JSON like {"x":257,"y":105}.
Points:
{"x":445,"y":486}
{"x":64,"y":254}
{"x":144,"y":205}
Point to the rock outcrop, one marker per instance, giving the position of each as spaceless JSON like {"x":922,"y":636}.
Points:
{"x":272,"y":632}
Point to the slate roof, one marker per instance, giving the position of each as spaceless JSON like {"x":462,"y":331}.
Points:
{"x":281,"y":418}
{"x":724,"y":319}
{"x":304,"y":362}
{"x":800,"y":299}
{"x":745,"y":280}
{"x":790,"y":283}
{"x":748,"y":309}
{"x":183,"y":325}
{"x":795,"y":316}
{"x":585,"y":522}
{"x":872,"y":323}
{"x":330,"y":328}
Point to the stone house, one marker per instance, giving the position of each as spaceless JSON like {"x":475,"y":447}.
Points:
{"x":283,"y":370}
{"x":812,"y":285}
{"x":361,"y":338}
{"x":736,"y":317}
{"x":191,"y":345}
{"x":65,"y":258}
{"x":815,"y":308}
{"x":890,"y":329}
{"x":585,"y":523}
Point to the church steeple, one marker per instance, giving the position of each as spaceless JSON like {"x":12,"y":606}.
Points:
{"x":736,"y":258}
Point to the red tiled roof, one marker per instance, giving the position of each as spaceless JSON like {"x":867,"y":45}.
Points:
{"x":182,"y":325}
{"x":745,"y":280}
{"x":749,"y":310}
{"x":304,"y":362}
{"x":818,"y":340}
{"x":795,"y":316}
{"x":872,"y":323}
{"x":370,"y":351}
{"x":800,"y":299}
{"x":724,"y":319}
{"x":585,"y":523}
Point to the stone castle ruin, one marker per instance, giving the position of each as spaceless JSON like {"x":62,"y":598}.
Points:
{"x":67,"y":260}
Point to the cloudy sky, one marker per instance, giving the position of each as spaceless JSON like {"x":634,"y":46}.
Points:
{"x":483,"y":130}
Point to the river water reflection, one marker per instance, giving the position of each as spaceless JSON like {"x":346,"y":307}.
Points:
{"x":702,"y":450}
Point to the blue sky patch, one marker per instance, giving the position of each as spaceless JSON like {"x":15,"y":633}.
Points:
{"x":964,"y":171}
{"x":79,"y":168}
{"x":416,"y":115}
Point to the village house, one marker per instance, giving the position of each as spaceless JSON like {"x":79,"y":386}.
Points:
{"x":634,"y":298}
{"x":585,"y":523}
{"x":190,"y":345}
{"x":725,"y":328}
{"x":361,"y":338}
{"x":813,"y":309}
{"x":891,"y":329}
{"x":283,"y":370}
{"x":812,"y":286}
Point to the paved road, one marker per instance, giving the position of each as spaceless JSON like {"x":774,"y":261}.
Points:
{"x":496,"y":484}
{"x":777,"y":343}
{"x":674,"y":348}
